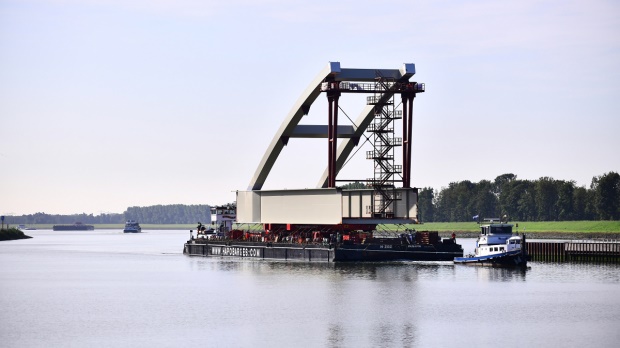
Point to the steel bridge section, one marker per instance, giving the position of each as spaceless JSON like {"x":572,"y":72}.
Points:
{"x":290,"y":127}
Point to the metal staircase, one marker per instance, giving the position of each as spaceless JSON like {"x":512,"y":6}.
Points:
{"x":384,"y":143}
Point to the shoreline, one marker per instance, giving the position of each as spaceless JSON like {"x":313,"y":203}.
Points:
{"x":444,"y":231}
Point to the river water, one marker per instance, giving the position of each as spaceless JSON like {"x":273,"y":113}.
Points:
{"x":105,"y":288}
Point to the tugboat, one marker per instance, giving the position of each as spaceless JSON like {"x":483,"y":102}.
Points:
{"x":132,"y":226}
{"x":497,"y":246}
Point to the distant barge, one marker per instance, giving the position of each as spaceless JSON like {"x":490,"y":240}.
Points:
{"x":78,"y":226}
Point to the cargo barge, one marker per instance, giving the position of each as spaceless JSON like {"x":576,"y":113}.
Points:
{"x":335,"y":221}
{"x":78,"y":226}
{"x":327,"y":243}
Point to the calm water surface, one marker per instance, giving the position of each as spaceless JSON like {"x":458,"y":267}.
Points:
{"x":110,"y":289}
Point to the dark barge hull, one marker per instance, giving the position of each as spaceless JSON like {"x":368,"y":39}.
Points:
{"x":415,"y":253}
{"x":322,"y":253}
{"x":73,"y":228}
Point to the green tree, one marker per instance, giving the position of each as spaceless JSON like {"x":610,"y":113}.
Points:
{"x":460,"y":201}
{"x":526,"y":206}
{"x":546,"y":197}
{"x":502,"y":181}
{"x":484,"y":201}
{"x":583,"y":204}
{"x":607,"y":195}
{"x":517,"y":200}
{"x":564,"y":203}
{"x":426,"y":207}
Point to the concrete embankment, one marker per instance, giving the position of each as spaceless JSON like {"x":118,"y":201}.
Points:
{"x":586,"y":250}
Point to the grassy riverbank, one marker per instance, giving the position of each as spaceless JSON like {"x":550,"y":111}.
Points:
{"x":539,"y":229}
{"x":12,"y":234}
{"x":542,"y":226}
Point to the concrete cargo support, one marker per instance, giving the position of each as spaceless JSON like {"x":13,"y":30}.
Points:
{"x":330,"y":206}
{"x":356,"y":204}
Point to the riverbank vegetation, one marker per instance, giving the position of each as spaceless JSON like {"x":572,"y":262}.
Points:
{"x":12,"y":234}
{"x":545,"y":199}
{"x":156,"y":214}
{"x":546,"y":204}
{"x":532,"y":226}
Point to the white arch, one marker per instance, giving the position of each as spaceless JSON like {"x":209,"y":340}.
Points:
{"x":290,"y":127}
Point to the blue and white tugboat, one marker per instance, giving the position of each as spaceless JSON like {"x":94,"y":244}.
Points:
{"x":497,"y":246}
{"x":132,"y":226}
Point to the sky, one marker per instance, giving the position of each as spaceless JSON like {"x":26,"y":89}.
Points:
{"x":108,"y":104}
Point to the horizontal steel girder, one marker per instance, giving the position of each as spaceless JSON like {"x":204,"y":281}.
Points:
{"x":320,"y":131}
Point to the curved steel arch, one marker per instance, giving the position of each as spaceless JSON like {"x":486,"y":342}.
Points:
{"x":290,"y":127}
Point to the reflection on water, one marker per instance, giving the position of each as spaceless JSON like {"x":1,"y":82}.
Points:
{"x":334,"y":337}
{"x":139,"y":290}
{"x":499,"y":274}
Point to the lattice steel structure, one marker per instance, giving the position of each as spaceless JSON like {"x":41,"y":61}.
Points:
{"x":377,"y":117}
{"x":384,"y":143}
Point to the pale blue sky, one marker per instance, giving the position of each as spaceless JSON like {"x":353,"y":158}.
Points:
{"x":106,"y":104}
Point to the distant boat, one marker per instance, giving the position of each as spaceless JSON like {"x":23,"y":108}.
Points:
{"x":132,"y":227}
{"x":78,"y":226}
{"x":25,"y":228}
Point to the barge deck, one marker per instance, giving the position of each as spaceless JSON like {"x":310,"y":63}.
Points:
{"x":374,"y":250}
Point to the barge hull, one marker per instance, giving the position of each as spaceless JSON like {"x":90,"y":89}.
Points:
{"x":394,"y":255}
{"x":260,"y":252}
{"x":314,"y":253}
{"x":73,"y":228}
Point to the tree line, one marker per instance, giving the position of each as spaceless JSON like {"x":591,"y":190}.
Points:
{"x":169,"y":214}
{"x":545,"y":199}
{"x":157,"y":214}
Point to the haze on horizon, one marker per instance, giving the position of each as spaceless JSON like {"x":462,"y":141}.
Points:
{"x":107,"y":104}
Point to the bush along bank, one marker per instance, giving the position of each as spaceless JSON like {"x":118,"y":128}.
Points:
{"x":12,"y":234}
